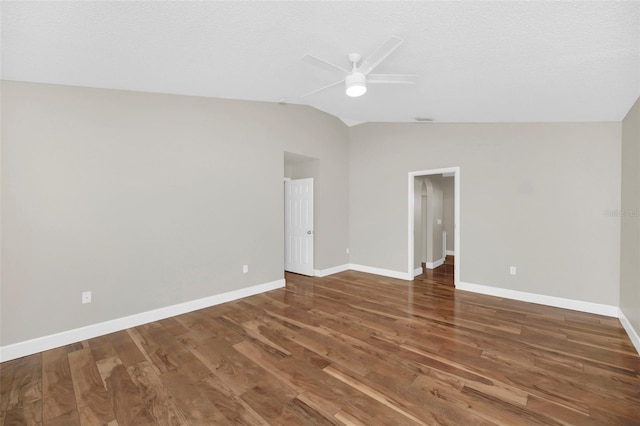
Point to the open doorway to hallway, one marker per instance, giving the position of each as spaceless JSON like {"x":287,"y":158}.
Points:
{"x":433,"y":234}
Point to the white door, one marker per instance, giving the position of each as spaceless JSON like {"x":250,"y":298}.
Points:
{"x":298,"y":226}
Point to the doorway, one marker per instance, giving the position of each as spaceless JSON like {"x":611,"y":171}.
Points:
{"x":419,"y":183}
{"x":299,"y":231}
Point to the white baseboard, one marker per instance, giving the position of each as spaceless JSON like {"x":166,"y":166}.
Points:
{"x":633,"y":334}
{"x":44,"y":343}
{"x":435,"y":264}
{"x":541,"y":299}
{"x":417,"y":271}
{"x":379,"y":271}
{"x":330,"y":271}
{"x":451,"y":253}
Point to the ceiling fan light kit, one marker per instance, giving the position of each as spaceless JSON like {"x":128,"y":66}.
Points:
{"x":356,"y":84}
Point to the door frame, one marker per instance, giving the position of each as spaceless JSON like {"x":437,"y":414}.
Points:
{"x":456,"y":217}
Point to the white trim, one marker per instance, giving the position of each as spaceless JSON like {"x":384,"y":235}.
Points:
{"x":541,"y":299}
{"x":44,"y":343}
{"x":451,"y":253}
{"x":633,"y":334}
{"x":379,"y":271}
{"x":417,"y":271}
{"x":435,"y":264}
{"x":450,"y":171}
{"x":330,"y":271}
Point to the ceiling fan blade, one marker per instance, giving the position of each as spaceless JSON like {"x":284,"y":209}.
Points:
{"x":379,"y":55}
{"x":322,"y":88}
{"x":323,"y":64}
{"x":392,"y":78}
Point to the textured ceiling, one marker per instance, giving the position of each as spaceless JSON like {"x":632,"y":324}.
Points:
{"x":506,"y":61}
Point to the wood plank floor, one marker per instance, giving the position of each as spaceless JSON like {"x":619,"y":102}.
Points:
{"x":352,"y":348}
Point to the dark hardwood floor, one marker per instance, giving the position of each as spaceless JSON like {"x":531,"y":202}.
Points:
{"x":441,"y":275}
{"x":352,"y":348}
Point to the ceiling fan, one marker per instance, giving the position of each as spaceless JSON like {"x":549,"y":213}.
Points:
{"x":356,"y":80}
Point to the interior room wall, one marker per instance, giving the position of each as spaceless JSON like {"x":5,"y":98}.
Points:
{"x":287,"y":170}
{"x":298,"y":166}
{"x":149,"y":200}
{"x":448,"y":194}
{"x":532,"y":196}
{"x":305,"y":169}
{"x":630,"y":219}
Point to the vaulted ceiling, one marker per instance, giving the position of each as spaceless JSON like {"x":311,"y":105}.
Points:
{"x":499,"y":61}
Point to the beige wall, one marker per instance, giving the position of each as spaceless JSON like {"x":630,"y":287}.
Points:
{"x":448,"y":191}
{"x":299,"y":166}
{"x":532,"y":196}
{"x":150,"y":200}
{"x":630,"y":229}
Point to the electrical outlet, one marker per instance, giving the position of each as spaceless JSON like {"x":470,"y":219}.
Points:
{"x":86,"y":297}
{"x":512,"y":270}
{"x":245,"y":269}
{"x":347,"y":250}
